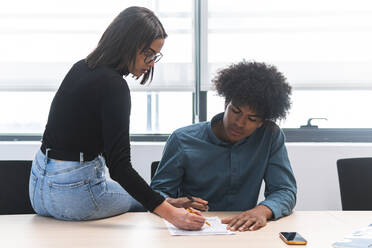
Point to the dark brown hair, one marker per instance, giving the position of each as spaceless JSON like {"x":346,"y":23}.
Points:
{"x":133,"y":29}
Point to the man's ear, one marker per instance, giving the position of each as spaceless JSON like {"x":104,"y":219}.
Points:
{"x":226,"y":103}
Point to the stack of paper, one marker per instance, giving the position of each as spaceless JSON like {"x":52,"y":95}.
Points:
{"x":361,"y":238}
{"x":215,"y":228}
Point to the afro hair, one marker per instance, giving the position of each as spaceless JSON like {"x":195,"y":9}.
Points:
{"x":257,"y":85}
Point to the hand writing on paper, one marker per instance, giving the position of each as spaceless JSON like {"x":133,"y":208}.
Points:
{"x":193,"y":211}
{"x":251,"y":220}
{"x":185,"y":202}
{"x":180,"y":217}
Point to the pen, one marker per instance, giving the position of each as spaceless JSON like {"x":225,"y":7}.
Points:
{"x":193,"y":212}
{"x":190,"y":198}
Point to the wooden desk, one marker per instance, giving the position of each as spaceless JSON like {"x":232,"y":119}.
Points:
{"x":320,"y":228}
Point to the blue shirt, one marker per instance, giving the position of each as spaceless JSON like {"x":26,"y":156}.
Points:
{"x":229,"y":176}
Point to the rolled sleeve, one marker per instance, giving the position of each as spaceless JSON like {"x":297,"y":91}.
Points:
{"x":280,"y":183}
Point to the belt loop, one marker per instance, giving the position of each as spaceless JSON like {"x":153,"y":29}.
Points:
{"x":46,"y":155}
{"x":81,"y":157}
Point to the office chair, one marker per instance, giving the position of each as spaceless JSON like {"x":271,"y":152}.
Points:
{"x":154,"y":166}
{"x":355,"y":179}
{"x":14,"y":178}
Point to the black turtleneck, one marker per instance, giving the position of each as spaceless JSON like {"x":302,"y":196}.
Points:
{"x":90,"y":113}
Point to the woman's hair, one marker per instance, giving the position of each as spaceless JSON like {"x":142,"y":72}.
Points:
{"x":133,"y":29}
{"x":257,"y":85}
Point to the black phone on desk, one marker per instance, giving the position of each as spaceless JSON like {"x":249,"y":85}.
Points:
{"x":292,"y":238}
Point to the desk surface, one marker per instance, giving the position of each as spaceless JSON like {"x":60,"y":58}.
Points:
{"x":320,"y":228}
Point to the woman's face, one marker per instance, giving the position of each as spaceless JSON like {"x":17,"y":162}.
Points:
{"x":146,"y":59}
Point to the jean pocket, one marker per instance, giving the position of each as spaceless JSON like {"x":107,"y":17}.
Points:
{"x":32,"y":188}
{"x":72,"y":201}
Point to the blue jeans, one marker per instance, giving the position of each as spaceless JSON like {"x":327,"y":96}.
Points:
{"x":69,"y":190}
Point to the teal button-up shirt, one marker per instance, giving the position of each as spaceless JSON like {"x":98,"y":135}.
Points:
{"x":229,"y":176}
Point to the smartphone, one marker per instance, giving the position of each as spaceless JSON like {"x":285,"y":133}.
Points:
{"x":292,"y":238}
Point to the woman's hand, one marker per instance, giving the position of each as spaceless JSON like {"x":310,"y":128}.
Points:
{"x":251,"y":220}
{"x":180,"y":217}
{"x":185,"y":202}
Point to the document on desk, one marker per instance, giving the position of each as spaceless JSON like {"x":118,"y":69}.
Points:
{"x":360,"y":238}
{"x":215,"y":228}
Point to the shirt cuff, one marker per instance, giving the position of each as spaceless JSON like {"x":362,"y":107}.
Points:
{"x":277,"y":213}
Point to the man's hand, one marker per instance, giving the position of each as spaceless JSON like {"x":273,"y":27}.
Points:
{"x":184,"y":202}
{"x":251,"y":220}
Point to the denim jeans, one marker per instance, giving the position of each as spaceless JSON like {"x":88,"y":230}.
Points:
{"x":69,"y":190}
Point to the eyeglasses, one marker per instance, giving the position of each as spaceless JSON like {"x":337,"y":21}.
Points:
{"x":151,"y":55}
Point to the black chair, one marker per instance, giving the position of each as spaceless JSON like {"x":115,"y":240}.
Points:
{"x":14,"y":178}
{"x":154,"y":166}
{"x":355,"y":178}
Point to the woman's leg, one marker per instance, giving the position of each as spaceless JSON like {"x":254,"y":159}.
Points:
{"x":69,"y":190}
{"x":111,"y":198}
{"x":85,"y":191}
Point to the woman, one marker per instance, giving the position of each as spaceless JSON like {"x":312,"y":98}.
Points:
{"x":89,"y":117}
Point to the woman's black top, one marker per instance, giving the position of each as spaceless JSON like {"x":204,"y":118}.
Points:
{"x":90,"y":114}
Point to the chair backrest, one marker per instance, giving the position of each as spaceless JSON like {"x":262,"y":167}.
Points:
{"x":355,"y":179}
{"x":14,"y":179}
{"x":154,"y":166}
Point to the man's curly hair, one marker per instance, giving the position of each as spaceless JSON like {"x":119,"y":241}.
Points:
{"x":257,"y":85}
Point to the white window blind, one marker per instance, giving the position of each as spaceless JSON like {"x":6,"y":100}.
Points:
{"x":316,"y":44}
{"x":41,"y":39}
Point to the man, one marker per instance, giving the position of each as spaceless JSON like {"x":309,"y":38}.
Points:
{"x":221,"y":164}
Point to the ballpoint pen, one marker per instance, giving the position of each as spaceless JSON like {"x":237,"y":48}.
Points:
{"x":190,"y":198}
{"x":192,"y":211}
{"x":193,"y":200}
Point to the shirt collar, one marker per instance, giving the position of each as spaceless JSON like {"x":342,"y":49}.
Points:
{"x":211,"y":134}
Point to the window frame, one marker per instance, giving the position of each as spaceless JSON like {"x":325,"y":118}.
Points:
{"x":301,"y":134}
{"x":317,"y":135}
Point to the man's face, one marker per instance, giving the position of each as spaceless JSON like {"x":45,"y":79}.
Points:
{"x":239,"y":122}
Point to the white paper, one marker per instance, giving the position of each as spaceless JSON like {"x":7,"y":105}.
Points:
{"x":215,"y":228}
{"x":361,"y":238}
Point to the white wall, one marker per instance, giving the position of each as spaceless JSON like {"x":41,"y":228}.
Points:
{"x":314,"y":165}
